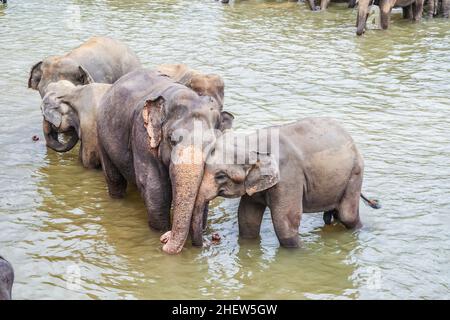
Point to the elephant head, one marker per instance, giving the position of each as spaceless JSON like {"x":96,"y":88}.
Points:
{"x":53,"y":69}
{"x":59,"y":116}
{"x":203,"y":84}
{"x":71,"y":110}
{"x":6,"y":279}
{"x":181,"y":127}
{"x":233,"y":169}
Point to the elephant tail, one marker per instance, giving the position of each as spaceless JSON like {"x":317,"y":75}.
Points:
{"x":374,"y":204}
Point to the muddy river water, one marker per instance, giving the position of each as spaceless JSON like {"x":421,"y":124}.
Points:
{"x":67,"y":239}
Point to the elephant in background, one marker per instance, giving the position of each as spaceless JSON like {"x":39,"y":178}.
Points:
{"x":311,"y":165}
{"x":99,"y":59}
{"x":437,"y":7}
{"x":412,"y":9}
{"x":148,"y":134}
{"x":72,"y":110}
{"x":6,"y":279}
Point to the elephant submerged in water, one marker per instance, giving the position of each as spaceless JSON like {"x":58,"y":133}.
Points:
{"x":311,"y":165}
{"x":148,"y":134}
{"x":99,"y":59}
{"x":6,"y":279}
{"x":72,"y":110}
{"x":412,"y":9}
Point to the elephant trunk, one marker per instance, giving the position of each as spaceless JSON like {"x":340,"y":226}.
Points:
{"x":186,"y":173}
{"x":51,"y":138}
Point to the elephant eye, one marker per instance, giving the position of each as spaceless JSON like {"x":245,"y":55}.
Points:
{"x":221,"y":177}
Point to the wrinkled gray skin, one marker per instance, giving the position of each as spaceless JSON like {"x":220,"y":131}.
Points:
{"x":437,"y":7}
{"x":318,"y":169}
{"x":73,"y":109}
{"x":6,"y":279}
{"x":145,"y":122}
{"x":412,"y":9}
{"x":100,"y":59}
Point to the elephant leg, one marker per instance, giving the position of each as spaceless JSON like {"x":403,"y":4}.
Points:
{"x":324,"y":4}
{"x":117,"y":184}
{"x":417,"y":8}
{"x":158,"y":198}
{"x":348,"y":210}
{"x":431,"y":8}
{"x":312,"y":5}
{"x":446,"y":8}
{"x":407,"y":12}
{"x":385,"y":14}
{"x":154,"y":184}
{"x":286,"y":210}
{"x":250,"y":214}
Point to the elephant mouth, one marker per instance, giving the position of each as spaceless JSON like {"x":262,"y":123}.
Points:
{"x":58,"y":140}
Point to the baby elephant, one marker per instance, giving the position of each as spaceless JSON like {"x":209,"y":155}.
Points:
{"x":311,"y":165}
{"x":6,"y":279}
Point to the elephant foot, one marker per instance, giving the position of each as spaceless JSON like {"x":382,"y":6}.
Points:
{"x":165,"y":237}
{"x":292,"y":242}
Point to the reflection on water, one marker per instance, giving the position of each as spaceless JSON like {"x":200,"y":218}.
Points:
{"x":280,"y":62}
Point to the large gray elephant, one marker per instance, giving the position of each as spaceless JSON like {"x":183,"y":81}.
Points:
{"x":6,"y":279}
{"x":310,"y":165}
{"x":412,"y":9}
{"x":154,"y":132}
{"x":438,"y":7}
{"x":72,"y":110}
{"x":99,"y":59}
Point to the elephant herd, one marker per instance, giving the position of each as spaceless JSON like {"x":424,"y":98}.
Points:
{"x":165,"y":131}
{"x":412,"y":9}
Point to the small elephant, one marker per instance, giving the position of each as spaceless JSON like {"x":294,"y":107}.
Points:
{"x":148,"y":134}
{"x":412,"y":9}
{"x":6,"y":279}
{"x":100,"y":59}
{"x":72,"y":110}
{"x":311,"y":165}
{"x":437,"y":7}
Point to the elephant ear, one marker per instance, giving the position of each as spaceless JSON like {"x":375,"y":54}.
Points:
{"x":226,"y":121}
{"x":153,"y":114}
{"x":263,"y":174}
{"x":84,"y":77}
{"x":35,"y":76}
